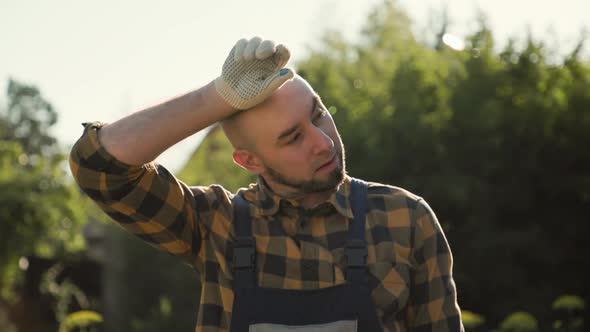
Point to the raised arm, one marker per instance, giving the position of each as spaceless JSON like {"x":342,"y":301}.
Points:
{"x":112,"y":163}
{"x":251,"y":73}
{"x":142,"y":136}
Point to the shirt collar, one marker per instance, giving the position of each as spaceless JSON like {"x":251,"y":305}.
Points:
{"x":340,"y":199}
{"x":268,"y":203}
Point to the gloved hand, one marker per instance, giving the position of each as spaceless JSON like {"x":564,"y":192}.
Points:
{"x":252,"y":71}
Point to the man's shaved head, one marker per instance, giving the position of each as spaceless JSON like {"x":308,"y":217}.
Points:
{"x":290,"y":140}
{"x":242,"y":127}
{"x":232,"y":127}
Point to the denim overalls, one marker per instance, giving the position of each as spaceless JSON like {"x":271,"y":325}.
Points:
{"x":343,"y":308}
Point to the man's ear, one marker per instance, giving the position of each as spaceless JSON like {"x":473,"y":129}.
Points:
{"x":248,"y":161}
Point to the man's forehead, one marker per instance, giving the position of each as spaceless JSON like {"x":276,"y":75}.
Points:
{"x":291,"y":103}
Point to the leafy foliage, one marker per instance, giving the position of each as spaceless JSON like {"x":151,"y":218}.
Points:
{"x":40,"y":208}
{"x":569,"y":302}
{"x":83,"y":319}
{"x":519,"y":322}
{"x":26,"y":119}
{"x":471,"y":320}
{"x":495,"y":141}
{"x":569,"y":311}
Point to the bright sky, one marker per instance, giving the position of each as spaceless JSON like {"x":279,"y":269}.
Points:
{"x":101,"y":60}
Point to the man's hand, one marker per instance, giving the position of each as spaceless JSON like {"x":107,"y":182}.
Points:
{"x":252,"y":72}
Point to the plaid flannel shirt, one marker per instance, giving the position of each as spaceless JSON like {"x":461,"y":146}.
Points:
{"x":409,"y":259}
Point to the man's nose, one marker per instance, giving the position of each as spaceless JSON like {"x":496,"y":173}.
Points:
{"x":322,"y":142}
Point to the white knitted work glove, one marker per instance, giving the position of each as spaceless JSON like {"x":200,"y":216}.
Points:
{"x":252,"y":71}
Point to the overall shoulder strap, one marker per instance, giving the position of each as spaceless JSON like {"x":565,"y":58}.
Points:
{"x":356,"y":246}
{"x":244,"y":248}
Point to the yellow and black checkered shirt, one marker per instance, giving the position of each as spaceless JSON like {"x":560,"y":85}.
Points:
{"x":409,"y":259}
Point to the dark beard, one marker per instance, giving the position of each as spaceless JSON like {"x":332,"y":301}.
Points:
{"x":335,"y":178}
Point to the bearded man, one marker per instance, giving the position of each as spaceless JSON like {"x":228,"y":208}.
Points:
{"x":307,"y":247}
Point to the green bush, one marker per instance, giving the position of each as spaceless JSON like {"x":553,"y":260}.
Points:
{"x":520,"y":322}
{"x":84,"y":320}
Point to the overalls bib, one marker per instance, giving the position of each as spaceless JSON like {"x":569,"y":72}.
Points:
{"x":343,"y":308}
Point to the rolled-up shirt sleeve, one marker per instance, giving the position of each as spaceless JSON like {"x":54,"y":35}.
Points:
{"x":146,"y":200}
{"x":433,"y":294}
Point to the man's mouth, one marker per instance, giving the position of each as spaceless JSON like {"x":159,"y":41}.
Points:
{"x":329,"y":165}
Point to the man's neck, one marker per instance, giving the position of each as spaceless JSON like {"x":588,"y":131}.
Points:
{"x":307,"y":200}
{"x":312,"y":200}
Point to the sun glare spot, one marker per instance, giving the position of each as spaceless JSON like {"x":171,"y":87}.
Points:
{"x":453,"y":42}
{"x":23,"y":263}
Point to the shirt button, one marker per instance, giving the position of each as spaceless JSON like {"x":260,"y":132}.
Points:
{"x":303,"y":221}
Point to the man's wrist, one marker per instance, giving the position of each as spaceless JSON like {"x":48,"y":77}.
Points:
{"x":218,"y":102}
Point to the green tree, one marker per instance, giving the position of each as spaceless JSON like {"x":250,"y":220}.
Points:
{"x":26,"y":119}
{"x":39,"y":206}
{"x":495,"y":141}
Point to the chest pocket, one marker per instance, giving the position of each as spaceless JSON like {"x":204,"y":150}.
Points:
{"x":339,"y":326}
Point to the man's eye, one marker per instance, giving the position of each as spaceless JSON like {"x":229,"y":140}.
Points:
{"x":321,"y":114}
{"x":294,"y":139}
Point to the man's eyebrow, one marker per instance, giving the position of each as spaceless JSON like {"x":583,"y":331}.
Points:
{"x":316,"y":100}
{"x":287,"y":132}
{"x":291,"y":130}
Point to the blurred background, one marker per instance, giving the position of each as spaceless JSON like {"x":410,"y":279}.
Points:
{"x":481,"y":107}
